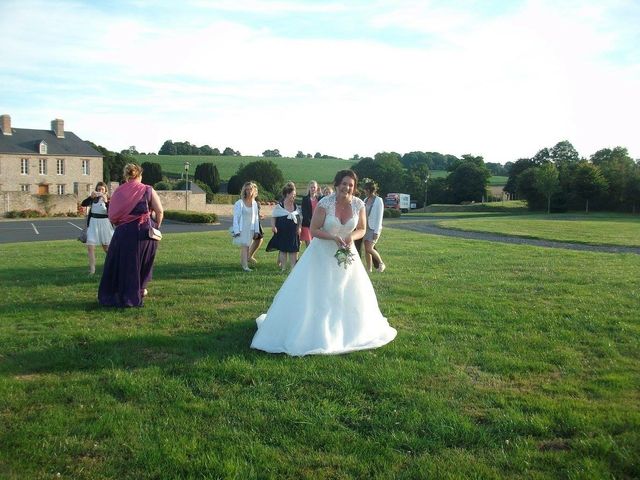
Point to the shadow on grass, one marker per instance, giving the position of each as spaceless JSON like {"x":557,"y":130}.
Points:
{"x":170,"y":352}
{"x":30,"y":277}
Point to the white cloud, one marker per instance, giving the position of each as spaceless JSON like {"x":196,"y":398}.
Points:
{"x":499,"y":86}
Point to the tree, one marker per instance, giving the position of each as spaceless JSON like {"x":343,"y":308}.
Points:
{"x":385,"y":169}
{"x":617,"y":167}
{"x":152,"y":173}
{"x":546,"y":181}
{"x":208,"y":174}
{"x":588,"y":182}
{"x":632,"y":190}
{"x":300,"y":154}
{"x":468,"y":182}
{"x":234,"y":184}
{"x":216,"y":152}
{"x":317,"y":155}
{"x":206,"y":150}
{"x":275,"y":153}
{"x":515,"y":170}
{"x":168,"y":148}
{"x":264,"y":172}
{"x":564,"y":154}
{"x":414,"y":158}
{"x":229,"y":152}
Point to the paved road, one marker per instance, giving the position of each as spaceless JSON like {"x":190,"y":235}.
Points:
{"x":427,"y":225}
{"x":38,"y":230}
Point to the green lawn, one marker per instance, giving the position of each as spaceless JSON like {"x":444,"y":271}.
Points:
{"x":510,"y":362}
{"x":594,"y":228}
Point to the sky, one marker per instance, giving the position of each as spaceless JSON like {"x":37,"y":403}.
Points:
{"x":496,"y":78}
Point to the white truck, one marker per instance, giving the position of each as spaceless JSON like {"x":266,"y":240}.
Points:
{"x":399,"y":201}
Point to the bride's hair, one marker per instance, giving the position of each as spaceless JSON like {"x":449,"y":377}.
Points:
{"x":346,"y":173}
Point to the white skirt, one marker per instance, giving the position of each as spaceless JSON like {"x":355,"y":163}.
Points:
{"x":336,"y":312}
{"x":99,"y":232}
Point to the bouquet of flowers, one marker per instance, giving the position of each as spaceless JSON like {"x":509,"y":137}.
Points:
{"x":344,"y":256}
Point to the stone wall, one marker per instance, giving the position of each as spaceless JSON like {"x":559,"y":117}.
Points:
{"x":50,"y":204}
{"x":11,"y":180}
{"x":174,"y":200}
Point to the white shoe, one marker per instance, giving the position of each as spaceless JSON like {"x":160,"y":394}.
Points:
{"x":382,"y":267}
{"x":247,"y":269}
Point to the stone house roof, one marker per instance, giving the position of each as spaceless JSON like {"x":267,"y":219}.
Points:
{"x":27,"y":141}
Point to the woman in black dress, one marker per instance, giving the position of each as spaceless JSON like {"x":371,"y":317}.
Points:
{"x":286,"y":226}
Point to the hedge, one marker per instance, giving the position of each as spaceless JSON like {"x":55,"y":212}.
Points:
{"x":29,"y":213}
{"x":391,"y":213}
{"x":191,"y":217}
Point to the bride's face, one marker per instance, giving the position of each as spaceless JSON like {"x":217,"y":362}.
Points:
{"x":346,"y":187}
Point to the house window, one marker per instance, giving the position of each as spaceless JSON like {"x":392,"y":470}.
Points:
{"x":60,"y":166}
{"x":24,"y":166}
{"x":43,"y":148}
{"x":60,"y":189}
{"x":85,"y":167}
{"x":42,"y":166}
{"x":24,"y":187}
{"x":88,"y":189}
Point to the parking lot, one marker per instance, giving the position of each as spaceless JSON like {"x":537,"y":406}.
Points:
{"x":38,"y":229}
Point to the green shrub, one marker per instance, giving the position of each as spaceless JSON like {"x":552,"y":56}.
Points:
{"x":391,"y":213}
{"x":163,"y":185}
{"x":225,"y":198}
{"x":29,"y":213}
{"x":190,"y":217}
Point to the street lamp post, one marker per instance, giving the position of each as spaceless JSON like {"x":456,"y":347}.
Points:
{"x":186,"y":186}
{"x":426,"y":185}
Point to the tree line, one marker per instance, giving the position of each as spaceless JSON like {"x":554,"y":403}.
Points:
{"x":558,"y":179}
{"x":185,"y":148}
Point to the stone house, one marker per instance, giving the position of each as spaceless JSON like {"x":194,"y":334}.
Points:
{"x":46,"y":162}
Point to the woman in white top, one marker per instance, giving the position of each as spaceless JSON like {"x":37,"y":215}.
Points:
{"x":99,"y":228}
{"x":246,"y":222}
{"x":375,"y":210}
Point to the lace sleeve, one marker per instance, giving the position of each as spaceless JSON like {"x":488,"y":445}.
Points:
{"x":356,"y":205}
{"x":328,"y":203}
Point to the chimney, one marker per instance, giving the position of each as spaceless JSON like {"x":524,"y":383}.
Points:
{"x":5,"y":124}
{"x":57,"y":126}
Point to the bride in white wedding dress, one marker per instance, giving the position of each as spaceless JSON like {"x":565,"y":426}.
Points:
{"x":323,"y":307}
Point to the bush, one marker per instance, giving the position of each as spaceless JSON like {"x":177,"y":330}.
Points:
{"x":152,"y":173}
{"x":208,"y":174}
{"x":163,"y":185}
{"x":225,"y":198}
{"x":29,"y":213}
{"x":391,"y":213}
{"x":190,"y":217}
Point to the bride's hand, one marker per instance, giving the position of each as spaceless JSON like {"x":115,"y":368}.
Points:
{"x":347,"y":240}
{"x":339,"y":242}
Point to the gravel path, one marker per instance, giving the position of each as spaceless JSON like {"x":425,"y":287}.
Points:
{"x":427,"y":226}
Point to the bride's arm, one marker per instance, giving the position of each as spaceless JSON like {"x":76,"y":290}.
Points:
{"x":317,"y":221}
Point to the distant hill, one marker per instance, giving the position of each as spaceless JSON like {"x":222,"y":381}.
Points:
{"x":298,"y":170}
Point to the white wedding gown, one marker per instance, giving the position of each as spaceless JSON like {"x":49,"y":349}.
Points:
{"x":323,"y":308}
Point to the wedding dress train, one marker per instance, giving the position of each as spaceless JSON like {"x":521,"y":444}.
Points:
{"x":323,"y":307}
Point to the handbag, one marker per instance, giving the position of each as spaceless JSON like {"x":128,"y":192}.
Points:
{"x":83,"y":236}
{"x":154,"y":233}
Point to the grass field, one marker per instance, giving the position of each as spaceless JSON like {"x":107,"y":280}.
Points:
{"x":510,"y":362}
{"x":594,"y":228}
{"x":299,"y":170}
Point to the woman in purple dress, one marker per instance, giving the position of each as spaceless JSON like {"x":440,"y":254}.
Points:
{"x":129,"y":263}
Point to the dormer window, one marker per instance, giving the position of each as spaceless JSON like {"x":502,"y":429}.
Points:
{"x":43,"y":147}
